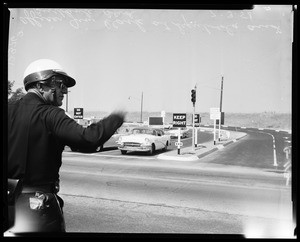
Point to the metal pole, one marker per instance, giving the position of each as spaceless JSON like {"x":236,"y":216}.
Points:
{"x":221,"y":97}
{"x":221,"y":94}
{"x":196,"y":136}
{"x":193,"y":133}
{"x":214,"y":131}
{"x":142,"y":108}
{"x":193,"y":136}
{"x":67,"y":102}
{"x":178,"y":147}
{"x":219,"y":134}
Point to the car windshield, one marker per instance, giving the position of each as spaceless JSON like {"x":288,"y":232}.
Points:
{"x":143,"y":131}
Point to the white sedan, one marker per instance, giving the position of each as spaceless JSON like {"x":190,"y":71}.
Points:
{"x":184,"y":133}
{"x":144,"y":139}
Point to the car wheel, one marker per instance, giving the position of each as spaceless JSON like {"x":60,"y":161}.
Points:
{"x":152,"y":149}
{"x":123,"y":152}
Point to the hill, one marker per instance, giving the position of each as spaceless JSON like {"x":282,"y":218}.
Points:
{"x":270,"y":120}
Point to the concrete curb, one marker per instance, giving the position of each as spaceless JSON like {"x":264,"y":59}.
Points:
{"x":193,"y":157}
{"x":207,"y":152}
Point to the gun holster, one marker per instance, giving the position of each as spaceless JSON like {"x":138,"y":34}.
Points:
{"x":14,"y":189}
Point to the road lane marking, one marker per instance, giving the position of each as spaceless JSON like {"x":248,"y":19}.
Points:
{"x":181,"y":180}
{"x":112,"y":156}
{"x":274,"y":146}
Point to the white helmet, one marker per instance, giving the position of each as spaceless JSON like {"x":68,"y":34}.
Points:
{"x":44,"y":69}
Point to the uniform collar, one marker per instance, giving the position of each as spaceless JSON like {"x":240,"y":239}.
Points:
{"x":37,"y":93}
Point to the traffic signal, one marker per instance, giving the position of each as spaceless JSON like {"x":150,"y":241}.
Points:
{"x":193,"y":96}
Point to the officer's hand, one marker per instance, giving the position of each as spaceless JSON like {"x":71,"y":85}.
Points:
{"x":120,"y":113}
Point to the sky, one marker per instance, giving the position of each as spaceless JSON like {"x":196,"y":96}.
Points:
{"x":121,"y":58}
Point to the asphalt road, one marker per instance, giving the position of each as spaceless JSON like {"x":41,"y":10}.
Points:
{"x":107,"y":192}
{"x":261,"y":148}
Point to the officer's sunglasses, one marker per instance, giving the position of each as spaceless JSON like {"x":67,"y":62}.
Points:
{"x":56,"y":81}
{"x":61,"y":85}
{"x":59,"y":82}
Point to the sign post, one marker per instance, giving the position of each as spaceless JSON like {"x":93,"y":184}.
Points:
{"x":179,"y":120}
{"x":178,"y":142}
{"x":163,"y":115}
{"x":214,"y":132}
{"x":215,"y":114}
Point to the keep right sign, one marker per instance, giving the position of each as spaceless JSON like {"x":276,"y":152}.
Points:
{"x":179,"y":120}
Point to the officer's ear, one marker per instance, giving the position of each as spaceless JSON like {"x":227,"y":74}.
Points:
{"x":40,"y":87}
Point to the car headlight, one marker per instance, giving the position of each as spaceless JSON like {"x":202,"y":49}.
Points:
{"x":119,"y":141}
{"x":147,"y":141}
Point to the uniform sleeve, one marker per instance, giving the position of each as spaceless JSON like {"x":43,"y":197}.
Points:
{"x":69,"y":132}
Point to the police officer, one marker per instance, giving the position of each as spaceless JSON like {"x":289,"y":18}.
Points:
{"x":38,"y":131}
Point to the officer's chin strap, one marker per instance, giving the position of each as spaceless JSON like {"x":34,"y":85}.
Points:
{"x":53,"y":91}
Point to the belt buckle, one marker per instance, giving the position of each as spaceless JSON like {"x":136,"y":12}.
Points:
{"x":38,"y":202}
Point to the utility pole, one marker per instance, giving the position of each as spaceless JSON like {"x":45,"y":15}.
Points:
{"x":221,"y":94}
{"x":67,"y":100}
{"x":142,"y":108}
{"x":141,"y":116}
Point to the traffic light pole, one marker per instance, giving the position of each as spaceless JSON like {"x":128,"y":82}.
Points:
{"x":193,"y":118}
{"x":193,"y":135}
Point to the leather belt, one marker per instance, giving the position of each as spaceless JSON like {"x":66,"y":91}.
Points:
{"x":47,"y":188}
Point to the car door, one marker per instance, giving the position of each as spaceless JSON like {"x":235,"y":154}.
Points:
{"x":166,"y":138}
{"x":156,"y":139}
{"x":162,"y":139}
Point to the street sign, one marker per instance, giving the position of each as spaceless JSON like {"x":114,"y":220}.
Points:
{"x":156,"y":121}
{"x":197,"y":120}
{"x":178,"y":143}
{"x":222,"y":118}
{"x":179,"y":120}
{"x":215,"y":113}
{"x":78,"y":113}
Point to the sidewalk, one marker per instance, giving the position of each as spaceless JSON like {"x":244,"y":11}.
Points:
{"x":187,"y":154}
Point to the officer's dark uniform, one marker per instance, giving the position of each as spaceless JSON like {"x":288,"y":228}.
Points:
{"x":37,"y":135}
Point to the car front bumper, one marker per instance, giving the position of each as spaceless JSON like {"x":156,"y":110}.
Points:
{"x":140,"y":148}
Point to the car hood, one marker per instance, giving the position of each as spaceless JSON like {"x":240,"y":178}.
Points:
{"x":136,"y":137}
{"x":174,"y":132}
